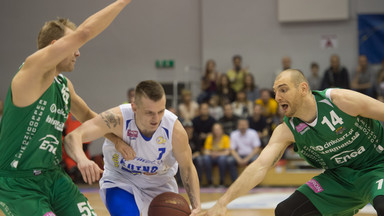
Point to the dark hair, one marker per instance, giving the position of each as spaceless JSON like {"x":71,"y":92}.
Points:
{"x":314,"y":64}
{"x":237,"y":57}
{"x":53,"y":30}
{"x":149,"y":89}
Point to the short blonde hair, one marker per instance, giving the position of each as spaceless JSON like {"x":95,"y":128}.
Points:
{"x":53,"y":30}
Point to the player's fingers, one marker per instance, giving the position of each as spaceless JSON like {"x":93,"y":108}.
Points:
{"x":88,"y":174}
{"x":83,"y":174}
{"x":94,"y":172}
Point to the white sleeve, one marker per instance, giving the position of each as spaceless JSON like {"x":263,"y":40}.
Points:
{"x":328,"y":94}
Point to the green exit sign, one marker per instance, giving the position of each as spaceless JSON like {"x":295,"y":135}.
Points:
{"x":165,"y":63}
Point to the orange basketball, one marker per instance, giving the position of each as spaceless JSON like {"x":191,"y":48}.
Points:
{"x":169,"y":204}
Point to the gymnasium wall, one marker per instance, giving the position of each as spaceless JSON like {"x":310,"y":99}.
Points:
{"x":187,"y":31}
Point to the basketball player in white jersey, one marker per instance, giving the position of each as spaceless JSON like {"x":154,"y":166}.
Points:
{"x":160,"y":143}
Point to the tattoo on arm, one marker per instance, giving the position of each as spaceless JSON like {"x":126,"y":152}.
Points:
{"x":277,"y":158}
{"x":187,"y":185}
{"x":110,"y":119}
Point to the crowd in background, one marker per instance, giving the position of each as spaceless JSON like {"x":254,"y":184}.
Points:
{"x":232,"y":119}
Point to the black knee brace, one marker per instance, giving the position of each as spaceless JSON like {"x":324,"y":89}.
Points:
{"x":378,"y":204}
{"x":296,"y":205}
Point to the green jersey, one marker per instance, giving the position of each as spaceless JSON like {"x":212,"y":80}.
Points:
{"x":31,"y":136}
{"x":336,"y":139}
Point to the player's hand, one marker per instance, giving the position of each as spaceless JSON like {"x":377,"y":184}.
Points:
{"x":125,"y":150}
{"x":195,"y":212}
{"x":89,"y":170}
{"x":216,"y":210}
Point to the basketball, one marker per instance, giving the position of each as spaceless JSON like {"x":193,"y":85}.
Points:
{"x":169,"y":204}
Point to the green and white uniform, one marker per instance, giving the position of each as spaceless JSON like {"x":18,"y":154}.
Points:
{"x":31,"y":180}
{"x":349,"y":148}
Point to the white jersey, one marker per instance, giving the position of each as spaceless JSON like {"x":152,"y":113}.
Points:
{"x":153,"y":169}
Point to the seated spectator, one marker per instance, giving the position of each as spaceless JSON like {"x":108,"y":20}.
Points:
{"x":250,"y":88}
{"x":237,"y":73}
{"x":286,"y":63}
{"x":268,"y":103}
{"x":336,"y":75}
{"x":380,"y":80}
{"x":208,"y":82}
{"x":188,"y":109}
{"x":242,"y":107}
{"x":196,"y":149}
{"x":216,"y":151}
{"x":277,"y":119}
{"x":259,"y":123}
{"x":229,"y":120}
{"x":202,"y":124}
{"x":225,"y":91}
{"x":314,"y":79}
{"x":215,"y":110}
{"x":363,"y":78}
{"x":245,"y":147}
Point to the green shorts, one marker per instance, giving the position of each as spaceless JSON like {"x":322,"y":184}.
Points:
{"x":343,"y":191}
{"x":47,"y":194}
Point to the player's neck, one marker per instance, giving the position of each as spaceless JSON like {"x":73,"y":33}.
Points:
{"x":308,"y":109}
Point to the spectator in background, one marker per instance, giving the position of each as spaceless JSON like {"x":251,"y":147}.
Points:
{"x":237,"y":74}
{"x":364,"y":79}
{"x":245,"y":147}
{"x":286,"y":63}
{"x":225,"y":91}
{"x":314,"y":79}
{"x":229,"y":120}
{"x":250,"y":88}
{"x":336,"y":75}
{"x":196,"y":148}
{"x":216,"y":151}
{"x":130,"y":95}
{"x":380,"y":80}
{"x":202,"y":124}
{"x":268,"y":103}
{"x":242,"y":107}
{"x":259,"y":123}
{"x":208,"y":82}
{"x":215,"y":110}
{"x":188,"y":109}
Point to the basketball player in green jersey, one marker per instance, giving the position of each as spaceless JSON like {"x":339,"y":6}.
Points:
{"x":37,"y":105}
{"x":335,"y":129}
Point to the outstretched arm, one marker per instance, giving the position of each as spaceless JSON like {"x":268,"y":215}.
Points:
{"x":82,"y":112}
{"x":256,"y":171}
{"x":183,"y":155}
{"x":357,"y":104}
{"x":107,"y":122}
{"x":39,"y":69}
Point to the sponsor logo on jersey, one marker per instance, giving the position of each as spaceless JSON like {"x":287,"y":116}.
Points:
{"x":49,"y":143}
{"x":302,"y":128}
{"x":160,"y":140}
{"x":314,"y":185}
{"x":345,"y":156}
{"x":138,"y":169}
{"x":57,"y":124}
{"x":54,"y":110}
{"x":340,"y":130}
{"x":132,"y":133}
{"x":115,"y":159}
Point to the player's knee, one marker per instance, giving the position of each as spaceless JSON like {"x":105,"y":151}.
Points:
{"x":282,"y":209}
{"x":378,"y":204}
